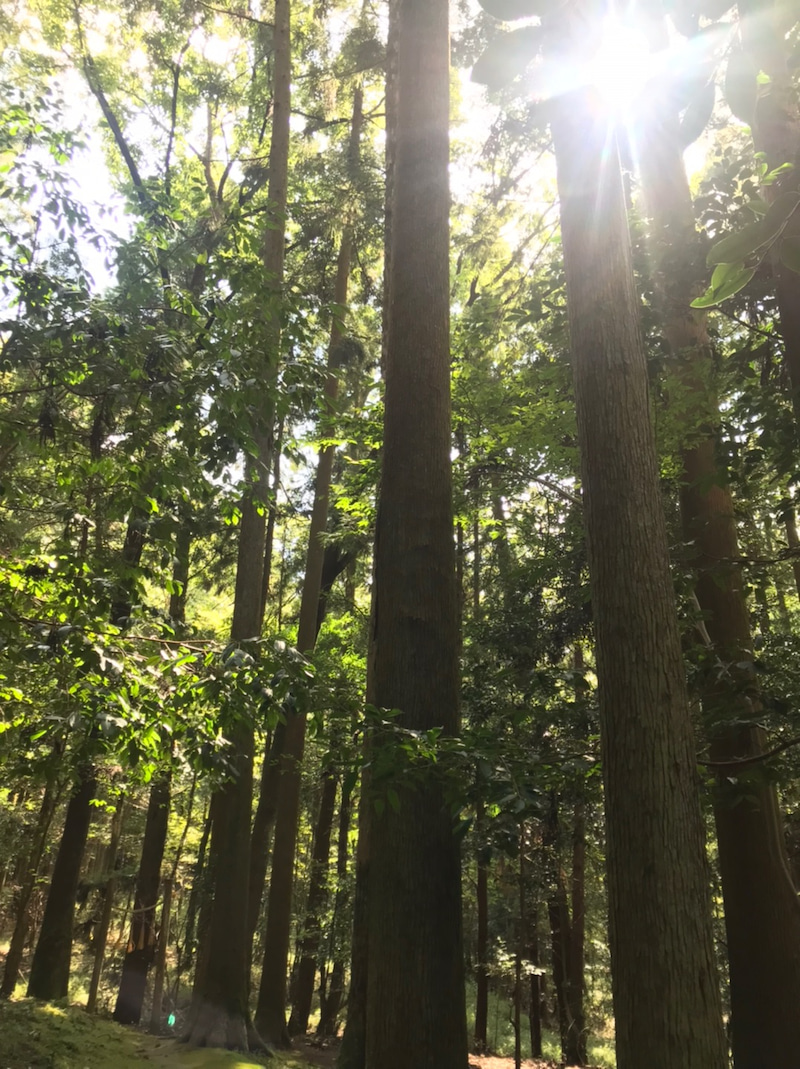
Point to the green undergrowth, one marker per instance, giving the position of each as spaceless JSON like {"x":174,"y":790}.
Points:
{"x":37,"y":1035}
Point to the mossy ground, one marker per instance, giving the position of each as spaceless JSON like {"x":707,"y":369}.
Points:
{"x":36,"y":1035}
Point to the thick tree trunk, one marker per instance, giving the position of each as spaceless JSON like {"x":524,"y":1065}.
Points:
{"x":29,"y":875}
{"x":317,"y":901}
{"x":415,"y":983}
{"x":220,"y":1014}
{"x":142,"y":942}
{"x":101,"y":932}
{"x":271,"y":1010}
{"x":49,"y":978}
{"x":762,"y":914}
{"x":666,"y":1003}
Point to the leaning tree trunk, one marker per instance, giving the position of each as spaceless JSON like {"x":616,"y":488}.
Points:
{"x":142,"y":942}
{"x":49,"y":978}
{"x":415,"y":983}
{"x":220,"y":1014}
{"x":271,"y":1010}
{"x":666,"y":1002}
{"x":762,"y":913}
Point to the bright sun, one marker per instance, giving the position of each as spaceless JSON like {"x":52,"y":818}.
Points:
{"x":621,"y":67}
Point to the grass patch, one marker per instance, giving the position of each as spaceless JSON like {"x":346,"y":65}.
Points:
{"x":38,"y":1035}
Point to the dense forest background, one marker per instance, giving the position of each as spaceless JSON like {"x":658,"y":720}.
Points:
{"x":256,"y":400}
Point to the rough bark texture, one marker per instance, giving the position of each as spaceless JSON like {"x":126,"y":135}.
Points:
{"x":666,"y":994}
{"x":49,"y":978}
{"x":762,"y":913}
{"x":142,"y":942}
{"x":415,"y":984}
{"x":317,"y":901}
{"x":220,"y":1015}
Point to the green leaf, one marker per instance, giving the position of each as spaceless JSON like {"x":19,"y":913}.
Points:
{"x":741,"y":86}
{"x":698,"y":113}
{"x":779,"y":213}
{"x":726,"y":280}
{"x":789,"y":252}
{"x":736,"y":247}
{"x":506,"y":57}
{"x":508,"y":10}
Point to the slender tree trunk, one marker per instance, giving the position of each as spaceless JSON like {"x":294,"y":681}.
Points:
{"x":317,"y":901}
{"x":142,"y":942}
{"x":331,"y":1002}
{"x":535,"y":1005}
{"x":16,"y":948}
{"x":482,"y":972}
{"x":49,"y":978}
{"x":762,"y":914}
{"x":197,"y":895}
{"x":352,"y":1053}
{"x":415,"y":983}
{"x":264,"y":824}
{"x":156,"y":1010}
{"x":101,"y":933}
{"x":271,"y":1010}
{"x":666,"y":1003}
{"x":220,"y":1014}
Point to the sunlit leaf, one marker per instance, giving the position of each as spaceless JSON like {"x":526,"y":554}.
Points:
{"x":737,"y":247}
{"x":727,"y":280}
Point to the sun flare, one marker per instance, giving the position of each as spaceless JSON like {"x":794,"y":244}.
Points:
{"x":621,"y":67}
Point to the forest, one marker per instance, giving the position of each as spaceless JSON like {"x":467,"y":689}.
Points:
{"x":399,"y":551}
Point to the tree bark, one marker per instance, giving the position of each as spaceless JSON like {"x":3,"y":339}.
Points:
{"x":142,"y":942}
{"x":762,"y":913}
{"x":666,"y":1003}
{"x":415,"y":983}
{"x":49,"y":978}
{"x":220,"y":1014}
{"x":482,"y":972}
{"x":156,"y":1010}
{"x":331,"y":1002}
{"x":317,"y":901}
{"x":271,"y":1010}
{"x":101,"y":933}
{"x":16,"y":948}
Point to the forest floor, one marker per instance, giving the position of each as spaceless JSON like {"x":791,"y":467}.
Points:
{"x":36,"y":1035}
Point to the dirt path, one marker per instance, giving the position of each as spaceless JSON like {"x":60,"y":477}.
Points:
{"x":324,"y":1056}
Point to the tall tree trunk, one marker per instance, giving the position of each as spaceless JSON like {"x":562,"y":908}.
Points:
{"x":535,"y":995}
{"x":762,"y":913}
{"x":317,"y":901}
{"x":101,"y":932}
{"x":352,"y":1053}
{"x":482,"y":971}
{"x":415,"y":984}
{"x":16,"y":948}
{"x":49,"y":978}
{"x":334,"y":990}
{"x":220,"y":1014}
{"x":264,"y":824}
{"x":271,"y":1009}
{"x":156,"y":1010}
{"x":793,"y":541}
{"x":666,"y":1003}
{"x":142,"y":942}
